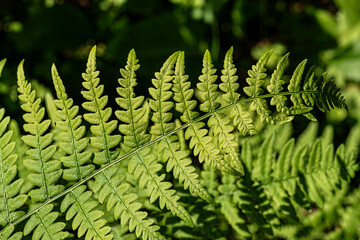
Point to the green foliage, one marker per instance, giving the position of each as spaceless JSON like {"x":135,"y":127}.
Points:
{"x":45,"y":170}
{"x":132,"y":168}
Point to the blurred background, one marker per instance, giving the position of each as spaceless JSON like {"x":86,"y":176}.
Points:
{"x":326,"y":32}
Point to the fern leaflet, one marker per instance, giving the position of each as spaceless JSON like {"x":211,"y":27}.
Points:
{"x":144,"y":165}
{"x":177,"y":159}
{"x":218,"y":122}
{"x":10,"y":199}
{"x":71,"y":134}
{"x":199,"y":141}
{"x":99,"y":115}
{"x":229,"y":85}
{"x":45,"y":170}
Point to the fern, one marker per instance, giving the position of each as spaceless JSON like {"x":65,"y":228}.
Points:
{"x":99,"y":115}
{"x":143,"y":164}
{"x":199,"y":141}
{"x":127,"y":169}
{"x":71,"y":134}
{"x":219,"y":124}
{"x":10,"y":199}
{"x":71,"y":142}
{"x":229,"y":86}
{"x":177,"y":160}
{"x":45,"y":171}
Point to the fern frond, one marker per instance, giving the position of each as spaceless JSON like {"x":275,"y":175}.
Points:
{"x":10,"y":199}
{"x":256,"y":81}
{"x":2,"y":64}
{"x":111,"y":185}
{"x":177,"y":159}
{"x":79,"y":205}
{"x":314,"y":170}
{"x":42,"y":224}
{"x":199,"y":141}
{"x":71,"y":134}
{"x":133,"y":113}
{"x":229,"y":208}
{"x":46,"y":171}
{"x":276,"y":83}
{"x":330,"y":97}
{"x":99,"y":115}
{"x":324,"y":93}
{"x":144,"y":164}
{"x":218,"y":122}
{"x":251,"y":198}
{"x":229,"y":85}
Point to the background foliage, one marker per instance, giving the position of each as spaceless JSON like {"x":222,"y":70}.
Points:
{"x":325,"y":32}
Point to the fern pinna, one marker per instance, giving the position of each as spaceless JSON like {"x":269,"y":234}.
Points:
{"x":128,"y":168}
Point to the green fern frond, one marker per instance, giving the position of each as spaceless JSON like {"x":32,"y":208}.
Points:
{"x":218,"y":122}
{"x":276,"y":83}
{"x":144,"y":164}
{"x":46,"y":171}
{"x":324,"y":93}
{"x":79,"y":206}
{"x":86,"y":220}
{"x":99,"y":115}
{"x":177,"y":159}
{"x":330,"y":97}
{"x":133,"y":113}
{"x":229,"y":208}
{"x":71,"y":134}
{"x":283,"y":178}
{"x":111,"y":185}
{"x":229,"y":85}
{"x":316,"y":171}
{"x":337,"y":220}
{"x":42,"y":224}
{"x":106,"y":181}
{"x":199,"y":141}
{"x":10,"y":199}
{"x":251,"y":198}
{"x":2,"y":64}
{"x":256,"y":81}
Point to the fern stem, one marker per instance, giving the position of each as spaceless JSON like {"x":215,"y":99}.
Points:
{"x":184,"y":126}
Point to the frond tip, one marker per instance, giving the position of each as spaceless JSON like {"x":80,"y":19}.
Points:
{"x":45,"y":170}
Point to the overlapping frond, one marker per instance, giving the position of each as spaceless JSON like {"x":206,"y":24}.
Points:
{"x":144,"y":164}
{"x":200,"y":142}
{"x":313,"y":172}
{"x":45,"y":170}
{"x":229,"y":208}
{"x":283,"y":177}
{"x":220,"y":125}
{"x":71,"y":134}
{"x":177,"y":159}
{"x":99,"y":114}
{"x":10,"y":199}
